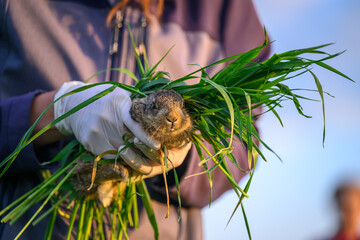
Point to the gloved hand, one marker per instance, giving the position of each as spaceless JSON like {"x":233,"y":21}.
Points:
{"x":100,"y":126}
{"x":148,"y":168}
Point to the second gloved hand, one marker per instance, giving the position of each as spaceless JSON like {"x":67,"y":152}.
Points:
{"x":148,"y":164}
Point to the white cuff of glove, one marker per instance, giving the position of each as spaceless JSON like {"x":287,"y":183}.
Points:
{"x":59,"y":106}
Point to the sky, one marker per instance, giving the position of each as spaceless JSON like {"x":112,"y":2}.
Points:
{"x":293,"y":199}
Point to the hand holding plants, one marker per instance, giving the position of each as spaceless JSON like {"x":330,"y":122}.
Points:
{"x":107,"y":125}
{"x":151,"y":168}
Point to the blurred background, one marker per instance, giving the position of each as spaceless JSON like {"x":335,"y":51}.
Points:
{"x":293,"y":199}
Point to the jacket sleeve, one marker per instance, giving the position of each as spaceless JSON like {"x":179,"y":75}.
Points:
{"x":242,"y":30}
{"x":14,"y":122}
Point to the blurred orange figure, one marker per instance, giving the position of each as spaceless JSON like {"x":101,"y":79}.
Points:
{"x":347,"y":197}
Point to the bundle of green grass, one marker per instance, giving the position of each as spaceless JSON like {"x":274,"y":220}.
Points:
{"x":221,"y":109}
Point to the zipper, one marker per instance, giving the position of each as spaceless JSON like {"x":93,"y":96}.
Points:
{"x":121,"y":52}
{"x":140,"y":48}
{"x":117,"y":31}
{"x":118,"y":24}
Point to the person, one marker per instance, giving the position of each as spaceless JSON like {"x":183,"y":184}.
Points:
{"x":347,"y":198}
{"x":46,"y":45}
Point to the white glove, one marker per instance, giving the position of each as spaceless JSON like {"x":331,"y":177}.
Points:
{"x":148,"y":168}
{"x":100,"y":126}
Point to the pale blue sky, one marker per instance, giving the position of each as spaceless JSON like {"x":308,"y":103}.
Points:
{"x":293,"y":199}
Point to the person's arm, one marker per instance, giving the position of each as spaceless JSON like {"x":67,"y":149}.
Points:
{"x":15,"y":117}
{"x":39,"y":104}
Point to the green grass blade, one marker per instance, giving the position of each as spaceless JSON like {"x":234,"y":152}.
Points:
{"x":246,"y":189}
{"x":293,"y":53}
{"x":130,"y":74}
{"x":248,"y":130}
{"x":64,"y":153}
{"x":223,"y":169}
{"x":80,"y":230}
{"x":326,"y":66}
{"x":53,"y":207}
{"x":99,"y":220}
{"x":51,"y":223}
{"x":122,"y":228}
{"x":246,"y":221}
{"x":34,"y":194}
{"x":321,"y":93}
{"x":135,"y":206}
{"x":44,"y":203}
{"x":177,"y":184}
{"x":229,"y":104}
{"x":21,"y":211}
{"x":158,"y":62}
{"x":89,"y":218}
{"x":139,"y":63}
{"x":141,"y":186}
{"x":272,"y":109}
{"x":197,"y":143}
{"x":72,"y":218}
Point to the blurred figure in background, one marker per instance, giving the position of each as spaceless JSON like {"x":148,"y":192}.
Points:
{"x":347,"y":198}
